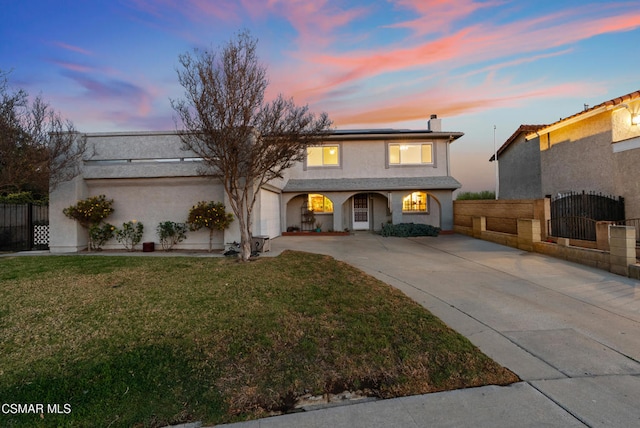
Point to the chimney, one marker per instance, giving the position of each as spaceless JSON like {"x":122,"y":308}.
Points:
{"x":434,"y":124}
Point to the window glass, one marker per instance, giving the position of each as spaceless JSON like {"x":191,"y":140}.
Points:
{"x":323,"y":156}
{"x":415,"y":202}
{"x":410,"y":154}
{"x":394,"y":154}
{"x":427,"y":156}
{"x":320,"y":203}
{"x":330,"y":155}
{"x":314,"y":156}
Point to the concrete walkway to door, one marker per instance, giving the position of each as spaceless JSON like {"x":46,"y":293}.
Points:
{"x":572,"y":334}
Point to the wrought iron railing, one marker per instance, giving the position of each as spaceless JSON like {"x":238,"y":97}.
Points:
{"x":572,"y":227}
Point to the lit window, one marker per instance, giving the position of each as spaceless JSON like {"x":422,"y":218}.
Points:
{"x":320,"y":203}
{"x":410,"y":154}
{"x":415,"y":202}
{"x":323,"y":156}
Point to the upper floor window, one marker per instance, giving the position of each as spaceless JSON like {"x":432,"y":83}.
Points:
{"x":323,"y":156}
{"x":415,"y":202}
{"x":410,"y":154}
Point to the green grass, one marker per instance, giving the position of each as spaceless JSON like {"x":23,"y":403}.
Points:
{"x":137,"y":341}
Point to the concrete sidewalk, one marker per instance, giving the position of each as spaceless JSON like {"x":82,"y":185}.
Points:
{"x":572,"y":334}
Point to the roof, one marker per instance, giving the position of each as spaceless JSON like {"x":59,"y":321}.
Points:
{"x":597,"y":109}
{"x":392,"y":134}
{"x":526,"y":129}
{"x":371,"y":184}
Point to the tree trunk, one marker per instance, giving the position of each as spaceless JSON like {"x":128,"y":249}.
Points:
{"x":245,"y":239}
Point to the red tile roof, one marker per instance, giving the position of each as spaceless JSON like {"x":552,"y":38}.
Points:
{"x":533,"y":128}
{"x":611,"y":103}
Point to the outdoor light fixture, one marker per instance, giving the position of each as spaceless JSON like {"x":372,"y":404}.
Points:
{"x":635,"y":117}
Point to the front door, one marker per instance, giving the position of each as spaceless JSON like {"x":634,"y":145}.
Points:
{"x":361,"y":212}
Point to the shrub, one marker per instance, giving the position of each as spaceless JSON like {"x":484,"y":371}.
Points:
{"x":100,"y":234}
{"x":23,"y":198}
{"x":409,"y":229}
{"x":171,"y":233}
{"x":210,"y":215}
{"x":468,"y":196}
{"x":90,"y":211}
{"x":130,"y":234}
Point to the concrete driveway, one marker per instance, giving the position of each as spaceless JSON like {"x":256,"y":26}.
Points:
{"x":572,"y":334}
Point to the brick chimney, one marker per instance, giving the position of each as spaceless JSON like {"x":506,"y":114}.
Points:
{"x":434,"y":124}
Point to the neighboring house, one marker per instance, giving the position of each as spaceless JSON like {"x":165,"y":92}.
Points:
{"x":519,"y":160}
{"x":355,"y":180}
{"x":597,"y":149}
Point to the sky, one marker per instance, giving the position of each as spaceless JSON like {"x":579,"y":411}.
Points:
{"x":484,"y":67}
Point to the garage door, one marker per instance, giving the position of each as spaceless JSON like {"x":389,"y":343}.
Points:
{"x":269,"y":214}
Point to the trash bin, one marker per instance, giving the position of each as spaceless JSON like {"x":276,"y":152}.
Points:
{"x":261,"y":244}
{"x":148,"y":247}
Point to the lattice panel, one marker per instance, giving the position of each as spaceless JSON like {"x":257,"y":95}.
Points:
{"x":41,"y":235}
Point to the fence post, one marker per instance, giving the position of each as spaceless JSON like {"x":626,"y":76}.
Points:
{"x":602,"y":235}
{"x":479,"y":226}
{"x":30,"y":225}
{"x":528,"y":233}
{"x":623,"y":249}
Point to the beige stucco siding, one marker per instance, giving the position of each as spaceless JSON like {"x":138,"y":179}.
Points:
{"x":579,"y":158}
{"x":627,"y":178}
{"x":368,"y":159}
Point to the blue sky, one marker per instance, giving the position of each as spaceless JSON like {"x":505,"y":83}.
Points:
{"x":110,"y":65}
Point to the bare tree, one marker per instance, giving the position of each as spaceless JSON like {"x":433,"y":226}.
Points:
{"x":244,"y":141}
{"x":38,"y":149}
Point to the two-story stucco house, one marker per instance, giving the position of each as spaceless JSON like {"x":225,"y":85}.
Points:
{"x":355,"y":180}
{"x":597,"y":149}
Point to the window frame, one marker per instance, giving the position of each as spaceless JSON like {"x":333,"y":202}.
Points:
{"x":426,"y":203}
{"x":338,"y":146}
{"x":408,"y":164}
{"x":324,"y":199}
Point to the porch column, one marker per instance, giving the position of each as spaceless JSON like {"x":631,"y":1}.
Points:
{"x":396,"y":205}
{"x":338,"y":203}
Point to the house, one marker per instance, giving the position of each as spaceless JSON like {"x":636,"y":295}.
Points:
{"x":355,"y":180}
{"x":596,"y":149}
{"x":519,"y":160}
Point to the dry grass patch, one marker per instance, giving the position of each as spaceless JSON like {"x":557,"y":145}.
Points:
{"x":150,"y":341}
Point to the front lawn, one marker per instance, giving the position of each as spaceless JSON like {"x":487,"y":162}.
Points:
{"x":150,"y":341}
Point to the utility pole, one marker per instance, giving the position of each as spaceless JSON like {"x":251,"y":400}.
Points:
{"x":495,"y":159}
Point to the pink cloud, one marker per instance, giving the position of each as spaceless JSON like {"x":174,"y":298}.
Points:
{"x":439,"y":15}
{"x":454,"y":101}
{"x":327,"y":74}
{"x":316,"y":21}
{"x":72,"y":48}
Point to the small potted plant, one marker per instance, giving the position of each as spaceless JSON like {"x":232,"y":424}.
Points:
{"x":318,"y":227}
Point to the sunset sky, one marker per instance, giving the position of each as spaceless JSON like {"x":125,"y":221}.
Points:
{"x":110,"y":65}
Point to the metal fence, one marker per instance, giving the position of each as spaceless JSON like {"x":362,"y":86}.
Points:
{"x":24,"y":227}
{"x":574,"y":215}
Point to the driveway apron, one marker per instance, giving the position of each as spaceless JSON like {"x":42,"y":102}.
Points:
{"x":570,"y":332}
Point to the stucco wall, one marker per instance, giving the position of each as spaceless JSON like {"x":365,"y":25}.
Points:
{"x":578,"y":157}
{"x":627,"y":178}
{"x":149,"y":201}
{"x":368,"y":159}
{"x":152,"y":201}
{"x":519,"y":166}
